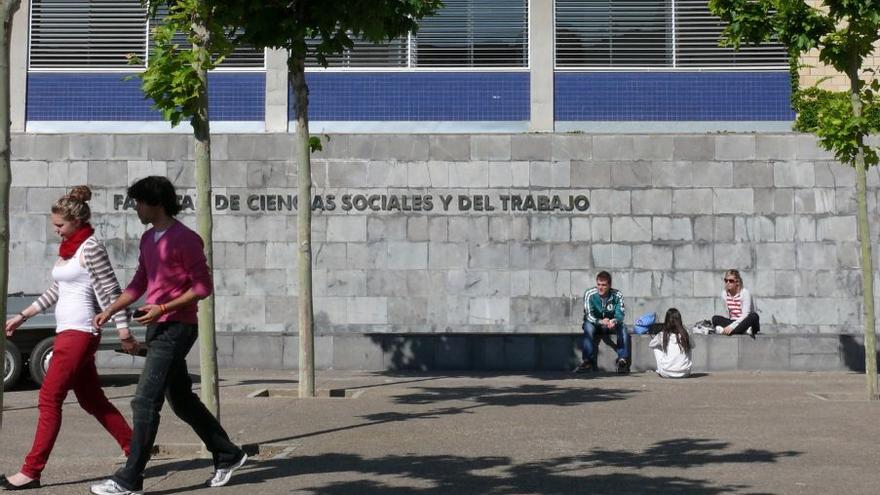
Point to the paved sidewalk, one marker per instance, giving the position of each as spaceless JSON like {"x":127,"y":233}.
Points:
{"x":497,"y":434}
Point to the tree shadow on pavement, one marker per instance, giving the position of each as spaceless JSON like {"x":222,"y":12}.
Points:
{"x":596,"y":472}
{"x":471,"y":398}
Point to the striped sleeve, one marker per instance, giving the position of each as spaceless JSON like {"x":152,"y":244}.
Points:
{"x":48,"y":298}
{"x":103,"y":278}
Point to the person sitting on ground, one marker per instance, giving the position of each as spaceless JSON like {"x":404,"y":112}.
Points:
{"x":672,"y":347}
{"x":603,"y":314}
{"x":741,"y":308}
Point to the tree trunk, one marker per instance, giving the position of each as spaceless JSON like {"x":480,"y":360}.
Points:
{"x":205,"y":219}
{"x":7,"y":10}
{"x":297,"y":75}
{"x":864,"y":242}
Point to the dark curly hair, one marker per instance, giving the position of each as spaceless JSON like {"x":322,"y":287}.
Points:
{"x":156,"y":190}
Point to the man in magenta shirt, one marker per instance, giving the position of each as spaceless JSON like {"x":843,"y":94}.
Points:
{"x":174,"y":274}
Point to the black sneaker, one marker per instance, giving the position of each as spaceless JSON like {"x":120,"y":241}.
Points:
{"x":584,"y":367}
{"x":622,"y":366}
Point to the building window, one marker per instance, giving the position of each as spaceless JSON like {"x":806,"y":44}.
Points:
{"x":101,"y":34}
{"x":645,"y":34}
{"x":86,"y":34}
{"x":463,"y":34}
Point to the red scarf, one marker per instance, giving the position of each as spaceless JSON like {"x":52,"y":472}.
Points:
{"x":71,"y":244}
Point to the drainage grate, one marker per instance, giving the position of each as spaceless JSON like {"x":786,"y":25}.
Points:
{"x":292,"y":393}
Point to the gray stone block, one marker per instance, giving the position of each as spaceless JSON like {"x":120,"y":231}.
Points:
{"x":265,"y":228}
{"x":600,"y":229}
{"x":329,"y":255}
{"x":590,"y":174}
{"x":399,"y":174}
{"x":771,"y":353}
{"x":265,"y":282}
{"x":257,"y":351}
{"x":417,"y":229}
{"x":722,"y":353}
{"x":469,"y":229}
{"x":323,"y":352}
{"x":569,"y":256}
{"x":655,"y":147}
{"x":613,"y":201}
{"x":30,"y":174}
{"x":631,"y":229}
{"x":469,"y":174}
{"x":814,"y":256}
{"x":366,"y":310}
{"x":450,"y":148}
{"x":652,"y":202}
{"x":735,"y":147}
{"x":653,"y":257}
{"x":808,"y":148}
{"x":549,"y":284}
{"x":381,"y":228}
{"x":107,"y":174}
{"x":408,"y":147}
{"x":816,"y":362}
{"x":794,"y":174}
{"x":673,"y":174}
{"x":580,"y":229}
{"x":357,"y":352}
{"x":775,"y":147}
{"x":733,"y":255}
{"x":170,"y":147}
{"x":537,"y":147}
{"x":836,"y":228}
{"x":91,"y":147}
{"x":693,"y":257}
{"x":692,"y":201}
{"x":489,"y":311}
{"x":558,"y":352}
{"x":407,"y":255}
{"x":550,"y":174}
{"x":610,"y":256}
{"x":776,"y":256}
{"x":613,"y":148}
{"x":632,"y":175}
{"x":713,"y":174}
{"x":704,"y":229}
{"x":408,"y":311}
{"x":346,"y":229}
{"x":347,"y":174}
{"x":491,"y":256}
{"x":180,"y":173}
{"x":550,"y":229}
{"x":508,"y":229}
{"x":490,"y":147}
{"x":733,"y":201}
{"x":694,"y":147}
{"x":40,"y":147}
{"x":672,"y":229}
{"x":752,"y":174}
{"x":129,"y":147}
{"x":571,"y":147}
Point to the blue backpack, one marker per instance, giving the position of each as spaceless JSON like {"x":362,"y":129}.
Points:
{"x":643,"y":324}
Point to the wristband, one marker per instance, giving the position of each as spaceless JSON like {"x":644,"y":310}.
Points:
{"x":163,"y":309}
{"x":23,"y":317}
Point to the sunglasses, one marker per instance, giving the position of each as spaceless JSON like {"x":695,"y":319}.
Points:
{"x":730,"y":280}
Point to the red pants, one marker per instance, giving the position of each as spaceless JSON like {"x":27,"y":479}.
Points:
{"x":72,"y":368}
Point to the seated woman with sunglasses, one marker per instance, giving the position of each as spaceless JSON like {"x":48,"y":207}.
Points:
{"x":741,"y":308}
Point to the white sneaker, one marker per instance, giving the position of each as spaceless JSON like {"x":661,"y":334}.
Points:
{"x":750,"y":333}
{"x":719,"y":329}
{"x":110,"y":487}
{"x":222,"y":476}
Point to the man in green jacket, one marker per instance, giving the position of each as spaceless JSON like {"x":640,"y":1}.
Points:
{"x":603,"y":315}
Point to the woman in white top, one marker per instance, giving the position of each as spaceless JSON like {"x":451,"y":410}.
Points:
{"x":741,"y":309}
{"x":83,"y":280}
{"x":672,"y":347}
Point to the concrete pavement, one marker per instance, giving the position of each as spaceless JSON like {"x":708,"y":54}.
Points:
{"x":497,"y":434}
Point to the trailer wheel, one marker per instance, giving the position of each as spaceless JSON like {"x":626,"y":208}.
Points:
{"x":12,"y":365}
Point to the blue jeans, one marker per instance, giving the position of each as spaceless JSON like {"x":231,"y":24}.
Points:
{"x":594,"y":333}
{"x":165,"y":376}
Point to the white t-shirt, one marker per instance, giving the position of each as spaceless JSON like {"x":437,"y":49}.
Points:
{"x":75,"y":309}
{"x":673,"y":363}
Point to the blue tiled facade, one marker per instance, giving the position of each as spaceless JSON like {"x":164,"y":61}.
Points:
{"x":673,"y":96}
{"x":425,"y":96}
{"x":109,"y":96}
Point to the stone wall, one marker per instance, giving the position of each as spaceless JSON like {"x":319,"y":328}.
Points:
{"x":667,"y":215}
